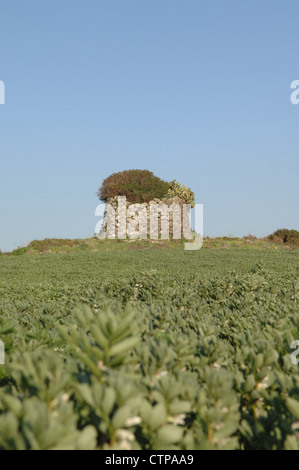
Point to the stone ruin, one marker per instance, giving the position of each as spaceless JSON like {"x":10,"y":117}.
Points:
{"x":158,"y":219}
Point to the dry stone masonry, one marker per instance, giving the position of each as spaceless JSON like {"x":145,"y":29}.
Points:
{"x":160,"y":218}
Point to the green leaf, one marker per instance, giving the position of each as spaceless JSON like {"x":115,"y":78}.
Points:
{"x":87,"y":439}
{"x":249,"y":383}
{"x":120,"y":417}
{"x":169,"y":434}
{"x":293,"y":407}
{"x":123,"y":346}
{"x":109,"y":400}
{"x":179,"y":406}
{"x":157,"y":417}
{"x":85,"y":392}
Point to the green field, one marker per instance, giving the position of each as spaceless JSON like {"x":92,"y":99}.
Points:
{"x":153,"y":348}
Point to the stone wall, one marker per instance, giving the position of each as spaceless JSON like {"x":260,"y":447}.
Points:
{"x":160,"y":218}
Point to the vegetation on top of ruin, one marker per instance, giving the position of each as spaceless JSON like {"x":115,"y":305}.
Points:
{"x":141,"y":186}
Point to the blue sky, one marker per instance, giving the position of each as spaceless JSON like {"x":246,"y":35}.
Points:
{"x":197,"y":91}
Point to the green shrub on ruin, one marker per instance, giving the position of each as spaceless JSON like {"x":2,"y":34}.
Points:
{"x":181,"y":191}
{"x":137,"y":185}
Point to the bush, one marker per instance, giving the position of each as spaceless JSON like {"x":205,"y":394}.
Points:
{"x":250,"y":237}
{"x":52,"y":243}
{"x":19,"y":251}
{"x":285,"y":236}
{"x":177,"y":189}
{"x":137,"y":185}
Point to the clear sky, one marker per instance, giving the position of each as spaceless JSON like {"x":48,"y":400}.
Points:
{"x":193,"y":90}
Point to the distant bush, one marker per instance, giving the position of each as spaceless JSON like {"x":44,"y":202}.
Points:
{"x":50,"y":243}
{"x":177,"y":189}
{"x":137,"y":185}
{"x":250,"y":237}
{"x":285,"y":236}
{"x":19,"y":251}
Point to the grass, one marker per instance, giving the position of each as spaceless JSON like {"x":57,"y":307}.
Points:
{"x":93,"y":244}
